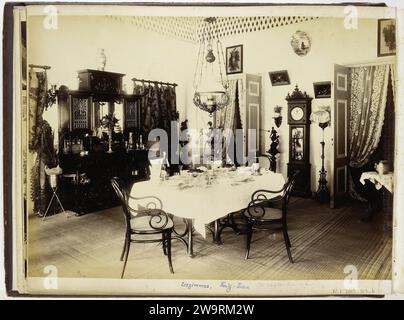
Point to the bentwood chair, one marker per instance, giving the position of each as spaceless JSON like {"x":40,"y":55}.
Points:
{"x":149,"y":222}
{"x":263,"y":212}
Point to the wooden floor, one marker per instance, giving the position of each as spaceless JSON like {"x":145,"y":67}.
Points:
{"x":324,"y":241}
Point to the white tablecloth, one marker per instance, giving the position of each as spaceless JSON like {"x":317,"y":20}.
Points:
{"x":191,"y":197}
{"x":379,"y":180}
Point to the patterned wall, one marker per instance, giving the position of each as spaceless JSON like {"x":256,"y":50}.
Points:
{"x":191,"y":28}
{"x":228,"y":26}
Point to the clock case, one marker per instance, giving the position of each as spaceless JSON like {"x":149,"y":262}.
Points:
{"x":299,"y":142}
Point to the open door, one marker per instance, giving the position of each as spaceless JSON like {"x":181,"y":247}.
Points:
{"x":340,"y":149}
{"x":253,"y":106}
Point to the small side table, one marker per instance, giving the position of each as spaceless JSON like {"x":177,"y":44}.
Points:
{"x":53,"y":175}
{"x":385,"y":181}
{"x":379,"y":180}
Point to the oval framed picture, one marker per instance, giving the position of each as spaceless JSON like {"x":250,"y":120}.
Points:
{"x":300,"y":43}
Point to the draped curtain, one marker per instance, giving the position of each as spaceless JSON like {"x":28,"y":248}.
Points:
{"x":225,"y":118}
{"x":37,"y":101}
{"x":158,"y":105}
{"x":40,"y":140}
{"x":368,"y":103}
{"x":229,"y":118}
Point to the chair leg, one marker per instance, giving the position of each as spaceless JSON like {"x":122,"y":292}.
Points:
{"x":287,"y":235}
{"x":287,"y":242}
{"x":164,"y":242}
{"x":233,"y":224}
{"x":250,"y":231}
{"x":168,"y":239}
{"x":126,"y":258}
{"x":125,"y":244}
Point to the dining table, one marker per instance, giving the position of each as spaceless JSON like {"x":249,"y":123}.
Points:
{"x":204,"y":196}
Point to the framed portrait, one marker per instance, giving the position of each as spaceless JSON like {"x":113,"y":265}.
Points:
{"x":279,"y":78}
{"x":234,"y":59}
{"x":386,"y":37}
{"x":322,"y":89}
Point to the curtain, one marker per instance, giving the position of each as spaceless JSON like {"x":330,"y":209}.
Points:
{"x":37,"y":102}
{"x":40,"y":141}
{"x":158,"y":105}
{"x":229,"y":118}
{"x":225,"y":118}
{"x":393,"y":80}
{"x":368,"y":102}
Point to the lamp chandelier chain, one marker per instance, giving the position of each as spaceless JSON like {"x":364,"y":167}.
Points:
{"x":220,"y":60}
{"x":214,"y":99}
{"x":197,"y":79}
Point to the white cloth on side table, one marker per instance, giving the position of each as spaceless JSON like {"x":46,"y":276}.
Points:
{"x":379,"y":180}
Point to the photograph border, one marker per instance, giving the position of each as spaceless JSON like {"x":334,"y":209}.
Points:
{"x":8,"y":137}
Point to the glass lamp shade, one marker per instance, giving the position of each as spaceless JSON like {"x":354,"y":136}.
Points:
{"x":322,"y":116}
{"x":211,"y":101}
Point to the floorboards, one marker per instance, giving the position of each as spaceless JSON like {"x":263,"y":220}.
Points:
{"x":324,"y":242}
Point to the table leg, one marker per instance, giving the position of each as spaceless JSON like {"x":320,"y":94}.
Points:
{"x":216,"y":231}
{"x":190,"y":238}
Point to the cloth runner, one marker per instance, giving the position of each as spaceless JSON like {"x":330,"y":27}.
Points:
{"x":379,"y":180}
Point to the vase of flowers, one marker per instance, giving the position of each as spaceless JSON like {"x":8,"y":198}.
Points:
{"x":277,"y":116}
{"x":108,"y":122}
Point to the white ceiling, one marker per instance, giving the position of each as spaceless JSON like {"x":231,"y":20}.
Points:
{"x":191,"y":28}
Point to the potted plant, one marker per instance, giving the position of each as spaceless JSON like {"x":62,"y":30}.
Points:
{"x":277,"y":115}
{"x":108,"y":122}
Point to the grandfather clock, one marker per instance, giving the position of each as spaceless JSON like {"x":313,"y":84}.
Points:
{"x":299,"y":110}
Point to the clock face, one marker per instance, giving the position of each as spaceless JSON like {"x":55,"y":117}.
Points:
{"x":297,"y":113}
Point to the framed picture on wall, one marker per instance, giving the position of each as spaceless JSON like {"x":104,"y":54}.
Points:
{"x":234,"y":59}
{"x":279,"y":78}
{"x":386,"y":37}
{"x":322,"y":89}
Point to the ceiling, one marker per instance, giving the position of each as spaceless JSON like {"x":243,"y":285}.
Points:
{"x":191,"y":28}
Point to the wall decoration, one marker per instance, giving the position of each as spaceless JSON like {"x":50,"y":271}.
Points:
{"x":234,"y":59}
{"x":279,"y":78}
{"x":386,"y":37}
{"x":322,"y":89}
{"x":300,"y":43}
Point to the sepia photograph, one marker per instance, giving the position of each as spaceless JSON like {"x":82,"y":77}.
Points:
{"x":234,"y":59}
{"x":386,"y":35}
{"x":322,"y":89}
{"x":279,"y":78}
{"x":150,"y":157}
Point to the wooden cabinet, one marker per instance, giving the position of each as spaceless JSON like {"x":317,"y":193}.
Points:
{"x":104,"y":86}
{"x":86,"y":178}
{"x":132,"y":114}
{"x":87,"y":167}
{"x":80,"y":111}
{"x":299,"y":110}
